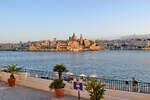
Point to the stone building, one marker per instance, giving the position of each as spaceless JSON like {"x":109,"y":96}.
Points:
{"x":81,"y":40}
{"x":86,"y":43}
{"x":74,"y":37}
{"x":73,"y":44}
{"x":38,"y":44}
{"x":61,"y":46}
{"x":148,"y":44}
{"x":94,"y":47}
{"x":6,"y":46}
{"x":46,"y":43}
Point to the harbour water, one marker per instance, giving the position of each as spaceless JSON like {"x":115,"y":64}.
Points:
{"x":122,"y":65}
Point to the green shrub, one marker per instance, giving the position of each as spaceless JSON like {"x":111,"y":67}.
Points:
{"x":95,"y":89}
{"x":57,"y":84}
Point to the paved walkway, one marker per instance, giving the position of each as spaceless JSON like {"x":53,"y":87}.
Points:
{"x":24,"y":93}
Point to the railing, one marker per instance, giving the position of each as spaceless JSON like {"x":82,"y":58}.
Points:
{"x":41,"y":74}
{"x":140,"y":87}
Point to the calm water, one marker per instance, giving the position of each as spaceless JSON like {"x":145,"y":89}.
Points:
{"x":108,"y":64}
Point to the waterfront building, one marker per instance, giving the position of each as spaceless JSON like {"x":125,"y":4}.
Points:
{"x":74,"y":37}
{"x":61,"y":46}
{"x":132,"y":44}
{"x":86,"y":43}
{"x":6,"y":46}
{"x":81,"y":40}
{"x":73,"y":44}
{"x":46,"y":43}
{"x":148,"y":44}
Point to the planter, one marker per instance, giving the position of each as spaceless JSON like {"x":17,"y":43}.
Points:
{"x":11,"y":82}
{"x":59,"y":93}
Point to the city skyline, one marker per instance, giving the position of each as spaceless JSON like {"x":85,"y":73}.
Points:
{"x":97,"y":19}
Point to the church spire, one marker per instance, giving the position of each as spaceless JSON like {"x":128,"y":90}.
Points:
{"x":74,"y":37}
{"x":81,"y":39}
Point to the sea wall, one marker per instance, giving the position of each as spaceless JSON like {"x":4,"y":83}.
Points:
{"x":43,"y":84}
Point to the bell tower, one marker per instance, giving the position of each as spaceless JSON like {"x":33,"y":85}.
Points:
{"x":81,"y":39}
{"x":74,"y":37}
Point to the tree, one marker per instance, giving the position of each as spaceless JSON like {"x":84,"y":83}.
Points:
{"x":95,"y":89}
{"x":60,"y":68}
{"x":12,"y":69}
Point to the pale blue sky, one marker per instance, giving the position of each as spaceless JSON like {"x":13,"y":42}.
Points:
{"x":96,"y":19}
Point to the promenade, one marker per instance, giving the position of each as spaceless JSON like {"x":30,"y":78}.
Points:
{"x":31,"y":88}
{"x":24,"y":93}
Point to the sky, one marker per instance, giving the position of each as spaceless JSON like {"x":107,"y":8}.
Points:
{"x":23,"y":20}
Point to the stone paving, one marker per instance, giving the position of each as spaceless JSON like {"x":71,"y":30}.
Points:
{"x":24,"y":93}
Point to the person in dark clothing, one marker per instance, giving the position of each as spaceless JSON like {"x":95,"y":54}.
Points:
{"x":134,"y":85}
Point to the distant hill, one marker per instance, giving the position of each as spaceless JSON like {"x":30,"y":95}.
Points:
{"x":146,"y":36}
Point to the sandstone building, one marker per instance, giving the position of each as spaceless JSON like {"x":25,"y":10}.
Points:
{"x":73,"y":44}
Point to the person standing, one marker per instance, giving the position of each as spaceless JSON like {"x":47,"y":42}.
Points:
{"x":134,"y":85}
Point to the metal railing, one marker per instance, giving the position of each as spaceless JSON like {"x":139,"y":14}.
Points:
{"x":140,"y":87}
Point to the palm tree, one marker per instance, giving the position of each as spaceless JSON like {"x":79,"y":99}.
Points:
{"x":60,"y":68}
{"x":12,"y":69}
